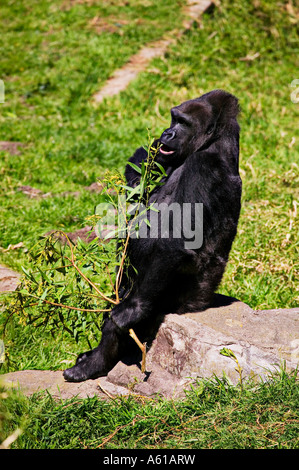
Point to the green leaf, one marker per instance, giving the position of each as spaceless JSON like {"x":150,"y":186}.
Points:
{"x":136,"y":168}
{"x":161,"y":168}
{"x":29,"y":275}
{"x":43,"y":296}
{"x":227,"y":352}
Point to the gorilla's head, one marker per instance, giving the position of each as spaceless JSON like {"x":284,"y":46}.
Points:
{"x":195,"y":124}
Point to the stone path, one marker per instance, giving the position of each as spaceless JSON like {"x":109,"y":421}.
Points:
{"x":123,"y":76}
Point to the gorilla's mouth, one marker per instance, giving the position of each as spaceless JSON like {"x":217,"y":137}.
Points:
{"x":166,"y":150}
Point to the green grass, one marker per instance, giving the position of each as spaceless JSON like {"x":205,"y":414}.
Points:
{"x":59,"y":61}
{"x":53,"y":59}
{"x":52,"y":62}
{"x":212,"y":416}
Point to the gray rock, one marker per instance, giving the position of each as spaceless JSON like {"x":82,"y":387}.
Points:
{"x":32,"y":381}
{"x":187,"y":347}
{"x":9,"y":279}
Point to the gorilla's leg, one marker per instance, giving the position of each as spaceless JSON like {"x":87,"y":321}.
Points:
{"x":138,"y":310}
{"x":99,"y":361}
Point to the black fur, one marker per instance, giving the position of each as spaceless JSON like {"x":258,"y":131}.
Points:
{"x":200,"y":153}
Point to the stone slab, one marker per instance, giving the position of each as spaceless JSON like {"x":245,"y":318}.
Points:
{"x":275,"y":331}
{"x":32,"y":381}
{"x":187,"y":347}
{"x":9,"y":279}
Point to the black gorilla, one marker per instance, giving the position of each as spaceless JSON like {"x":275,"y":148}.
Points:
{"x":200,"y":154}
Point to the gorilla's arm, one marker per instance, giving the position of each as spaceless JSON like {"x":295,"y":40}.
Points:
{"x":131,"y":175}
{"x":154,"y":278}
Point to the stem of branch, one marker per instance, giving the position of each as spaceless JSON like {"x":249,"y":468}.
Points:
{"x":68,"y":306}
{"x":141,"y":346}
{"x":120,"y":270}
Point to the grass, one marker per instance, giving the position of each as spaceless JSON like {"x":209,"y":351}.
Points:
{"x":214,"y":415}
{"x":52,"y":61}
{"x":68,"y":142}
{"x":54,"y":56}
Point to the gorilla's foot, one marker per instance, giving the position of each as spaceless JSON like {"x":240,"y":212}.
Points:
{"x":99,"y":361}
{"x":89,"y":365}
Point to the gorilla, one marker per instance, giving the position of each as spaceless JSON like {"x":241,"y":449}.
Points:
{"x":200,"y":155}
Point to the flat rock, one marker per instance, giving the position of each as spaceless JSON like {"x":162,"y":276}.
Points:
{"x":32,"y":381}
{"x":187,"y":347}
{"x":9,"y":279}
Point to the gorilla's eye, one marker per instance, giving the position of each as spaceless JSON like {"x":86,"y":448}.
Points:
{"x":180,"y":118}
{"x":183,"y":121}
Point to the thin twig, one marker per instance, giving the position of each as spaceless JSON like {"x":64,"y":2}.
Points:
{"x":72,"y":260}
{"x":105,"y":391}
{"x":64,"y":306}
{"x":115,"y":432}
{"x":92,"y":284}
{"x":141,"y":346}
{"x":51,"y":269}
{"x":120,"y":269}
{"x":10,"y":439}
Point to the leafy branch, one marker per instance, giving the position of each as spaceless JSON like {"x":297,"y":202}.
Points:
{"x":229,"y":353}
{"x":70,"y":286}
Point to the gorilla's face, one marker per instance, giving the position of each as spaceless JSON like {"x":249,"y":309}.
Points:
{"x":189,"y":130}
{"x":195,"y":124}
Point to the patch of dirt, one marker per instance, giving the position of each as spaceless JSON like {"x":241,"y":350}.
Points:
{"x":138,"y":62}
{"x":11,"y":147}
{"x":108,"y":24}
{"x":32,"y":193}
{"x":95,"y":187}
{"x":86,"y":234}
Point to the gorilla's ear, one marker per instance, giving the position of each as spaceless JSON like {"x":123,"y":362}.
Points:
{"x":225,"y":106}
